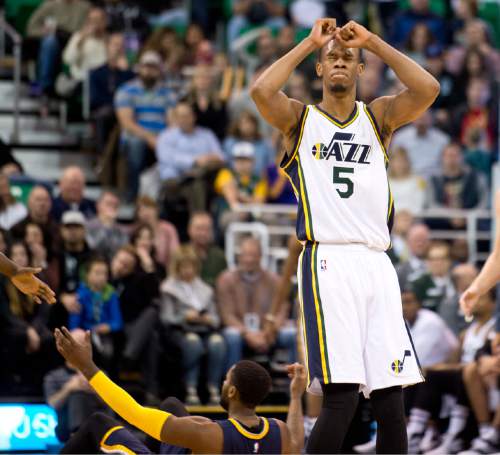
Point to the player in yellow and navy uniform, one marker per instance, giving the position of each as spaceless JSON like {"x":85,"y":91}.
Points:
{"x":354,"y":334}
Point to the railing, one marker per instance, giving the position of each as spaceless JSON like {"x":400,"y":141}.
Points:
{"x":471,"y":233}
{"x":7,"y":29}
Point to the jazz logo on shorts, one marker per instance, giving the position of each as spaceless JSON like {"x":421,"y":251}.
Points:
{"x":397,"y":365}
{"x":322,"y":264}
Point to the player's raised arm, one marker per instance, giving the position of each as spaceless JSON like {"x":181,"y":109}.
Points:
{"x":421,"y":89}
{"x":196,"y":433}
{"x":277,"y":109}
{"x":490,"y":273}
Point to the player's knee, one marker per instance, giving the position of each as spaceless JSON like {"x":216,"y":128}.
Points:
{"x":388,"y":405}
{"x":470,"y":373}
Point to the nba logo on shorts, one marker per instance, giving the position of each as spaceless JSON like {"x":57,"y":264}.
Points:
{"x":322,"y":264}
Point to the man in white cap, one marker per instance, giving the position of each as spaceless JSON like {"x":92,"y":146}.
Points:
{"x":142,"y":105}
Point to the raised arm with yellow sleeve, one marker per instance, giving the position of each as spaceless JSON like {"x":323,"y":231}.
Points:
{"x":196,"y":433}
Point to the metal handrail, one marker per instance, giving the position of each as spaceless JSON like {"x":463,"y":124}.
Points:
{"x":470,"y":232}
{"x":17,"y":41}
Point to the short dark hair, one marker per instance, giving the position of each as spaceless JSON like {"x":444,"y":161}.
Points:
{"x":252,"y":381}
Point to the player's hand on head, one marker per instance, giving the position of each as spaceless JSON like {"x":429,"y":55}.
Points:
{"x":323,"y":31}
{"x":25,"y":280}
{"x":297,"y":374}
{"x":77,"y":353}
{"x":352,"y":34}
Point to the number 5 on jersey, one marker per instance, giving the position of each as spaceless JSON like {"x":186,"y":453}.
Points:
{"x":338,"y":178}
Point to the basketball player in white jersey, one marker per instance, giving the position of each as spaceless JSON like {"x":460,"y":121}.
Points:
{"x":354,"y":333}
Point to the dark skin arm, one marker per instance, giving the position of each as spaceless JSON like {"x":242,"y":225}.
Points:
{"x":24,"y":279}
{"x":277,"y":109}
{"x":392,"y":112}
{"x":199,"y":434}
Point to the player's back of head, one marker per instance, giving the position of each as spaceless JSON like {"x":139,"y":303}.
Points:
{"x":252,"y":381}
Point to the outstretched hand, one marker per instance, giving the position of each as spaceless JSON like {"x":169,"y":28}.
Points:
{"x":25,"y":280}
{"x":323,"y":31}
{"x":297,"y":373}
{"x":78,"y":354}
{"x":353,"y":34}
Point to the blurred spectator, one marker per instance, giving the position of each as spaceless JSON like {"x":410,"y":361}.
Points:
{"x":254,"y":12}
{"x":165,"y":42}
{"x":201,"y":239}
{"x":447,"y":379}
{"x":449,"y":95}
{"x":433,"y":287}
{"x":31,"y":351}
{"x":104,"y":234}
{"x":142,"y":239}
{"x":103,"y":83}
{"x":418,"y":239}
{"x":266,"y":48}
{"x":238,"y":185}
{"x":399,"y":252}
{"x":245,"y":129}
{"x":208,"y":107}
{"x":418,"y":136}
{"x":434,"y":342}
{"x":85,"y":51}
{"x":142,"y":106}
{"x":37,"y":245}
{"x":464,"y":12}
{"x":187,"y":154}
{"x":39,"y":212}
{"x":407,"y":188}
{"x":279,"y":188}
{"x":52,"y":23}
{"x":456,"y":187}
{"x":136,"y":289}
{"x":99,"y":309}
{"x":297,"y":87}
{"x":165,"y":234}
{"x":476,"y":120}
{"x":476,"y":36}
{"x":11,"y":211}
{"x":369,"y":85}
{"x":285,"y":40}
{"x":197,"y":47}
{"x":304,"y":12}
{"x":419,"y":12}
{"x":69,"y":393}
{"x":70,"y":261}
{"x":71,"y":194}
{"x":244,"y":296}
{"x":474,"y":66}
{"x":462,"y":276}
{"x":418,"y":41}
{"x":188,"y":304}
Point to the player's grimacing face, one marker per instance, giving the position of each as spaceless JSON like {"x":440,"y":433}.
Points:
{"x":339,"y":66}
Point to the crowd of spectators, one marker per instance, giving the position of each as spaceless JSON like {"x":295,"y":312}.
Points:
{"x":172,"y":105}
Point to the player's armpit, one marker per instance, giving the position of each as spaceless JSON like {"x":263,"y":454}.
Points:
{"x":201,"y":435}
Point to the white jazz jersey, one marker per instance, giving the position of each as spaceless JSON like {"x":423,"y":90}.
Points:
{"x":339,"y":174}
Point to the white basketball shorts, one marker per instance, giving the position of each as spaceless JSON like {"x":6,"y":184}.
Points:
{"x":352,"y":318}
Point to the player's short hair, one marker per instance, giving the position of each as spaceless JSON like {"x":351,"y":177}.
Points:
{"x":252,"y":381}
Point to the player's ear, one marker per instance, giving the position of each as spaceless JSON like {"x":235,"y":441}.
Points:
{"x":319,"y":69}
{"x":361,"y":69}
{"x":232,"y":391}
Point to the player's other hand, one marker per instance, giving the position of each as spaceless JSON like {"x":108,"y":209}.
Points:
{"x":353,"y":34}
{"x":25,"y":280}
{"x":297,"y":373}
{"x":77,"y":353}
{"x":468,"y":301}
{"x":323,"y":31}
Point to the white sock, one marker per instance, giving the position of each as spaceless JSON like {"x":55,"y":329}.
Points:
{"x":458,"y":420}
{"x":309,"y":423}
{"x":418,"y":421}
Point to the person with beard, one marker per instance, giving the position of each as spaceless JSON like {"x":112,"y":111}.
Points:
{"x":142,"y":106}
{"x":246,"y":385}
{"x":336,"y":157}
